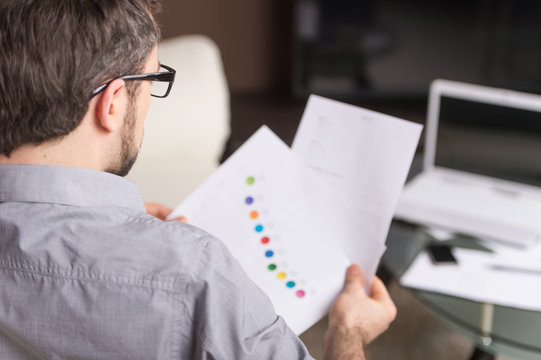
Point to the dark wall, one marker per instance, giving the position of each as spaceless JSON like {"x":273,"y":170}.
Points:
{"x":254,"y":37}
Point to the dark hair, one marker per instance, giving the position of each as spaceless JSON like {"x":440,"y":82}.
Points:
{"x":54,"y":53}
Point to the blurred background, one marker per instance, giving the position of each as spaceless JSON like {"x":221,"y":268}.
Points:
{"x":378,"y":54}
{"x":381,"y":54}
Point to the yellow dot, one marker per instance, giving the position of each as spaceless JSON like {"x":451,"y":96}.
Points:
{"x":254,"y":214}
{"x":281,"y":275}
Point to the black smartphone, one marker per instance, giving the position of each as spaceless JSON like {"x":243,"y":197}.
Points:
{"x":441,"y":254}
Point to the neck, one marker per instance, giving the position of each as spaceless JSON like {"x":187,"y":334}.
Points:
{"x":74,"y":149}
{"x":43,"y":155}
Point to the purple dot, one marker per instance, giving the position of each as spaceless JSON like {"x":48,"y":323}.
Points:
{"x":249,"y":200}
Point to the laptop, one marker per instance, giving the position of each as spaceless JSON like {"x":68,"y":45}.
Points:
{"x":482,"y":164}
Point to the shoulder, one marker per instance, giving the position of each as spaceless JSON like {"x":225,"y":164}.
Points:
{"x":208,"y":284}
{"x":168,"y":248}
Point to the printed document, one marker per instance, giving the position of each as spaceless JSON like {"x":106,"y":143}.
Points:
{"x":293,"y":227}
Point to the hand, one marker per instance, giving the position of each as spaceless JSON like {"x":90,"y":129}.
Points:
{"x":161,"y":212}
{"x":355,"y":319}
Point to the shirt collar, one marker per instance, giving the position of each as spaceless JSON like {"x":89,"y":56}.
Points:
{"x":67,"y":186}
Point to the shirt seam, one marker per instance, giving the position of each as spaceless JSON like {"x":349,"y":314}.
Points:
{"x":176,"y":301}
{"x":141,"y":283}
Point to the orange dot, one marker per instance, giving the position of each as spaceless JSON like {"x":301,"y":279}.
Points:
{"x":281,"y":275}
{"x":254,"y":214}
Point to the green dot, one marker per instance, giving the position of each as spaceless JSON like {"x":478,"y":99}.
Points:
{"x":272,"y":267}
{"x":250,"y":180}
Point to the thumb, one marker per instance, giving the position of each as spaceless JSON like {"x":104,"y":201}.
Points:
{"x":354,"y":276}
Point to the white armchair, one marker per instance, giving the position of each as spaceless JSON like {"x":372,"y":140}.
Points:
{"x":185,"y":133}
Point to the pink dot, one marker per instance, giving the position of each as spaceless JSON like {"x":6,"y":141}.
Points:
{"x":300,"y":293}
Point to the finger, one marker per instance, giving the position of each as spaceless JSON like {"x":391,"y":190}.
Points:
{"x":158,"y":210}
{"x":354,"y":276}
{"x":182,"y":219}
{"x":379,"y":293}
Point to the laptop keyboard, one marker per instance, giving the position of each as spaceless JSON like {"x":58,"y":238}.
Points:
{"x":470,"y":208}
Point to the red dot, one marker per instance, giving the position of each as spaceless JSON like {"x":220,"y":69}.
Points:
{"x":265,"y":240}
{"x":300,"y":294}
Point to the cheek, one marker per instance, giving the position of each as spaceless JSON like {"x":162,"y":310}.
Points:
{"x":141,"y":113}
{"x":145,"y":101}
{"x":139,"y":130}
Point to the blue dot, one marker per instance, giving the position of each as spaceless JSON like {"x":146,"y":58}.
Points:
{"x":290,"y":284}
{"x":269,"y":253}
{"x":259,"y":228}
{"x":249,"y":200}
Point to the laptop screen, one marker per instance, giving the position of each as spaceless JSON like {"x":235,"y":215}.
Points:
{"x":488,"y":139}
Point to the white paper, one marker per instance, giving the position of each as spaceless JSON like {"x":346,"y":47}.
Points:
{"x":364,"y":157}
{"x":304,"y":245}
{"x":502,"y":279}
{"x":323,"y":207}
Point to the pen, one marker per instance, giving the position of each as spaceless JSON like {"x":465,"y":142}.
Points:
{"x":516,"y":269}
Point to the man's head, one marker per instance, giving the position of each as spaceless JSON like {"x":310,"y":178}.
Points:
{"x":127,"y":149}
{"x":53,"y":54}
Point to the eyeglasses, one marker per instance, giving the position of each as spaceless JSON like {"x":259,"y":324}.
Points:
{"x":160,"y":86}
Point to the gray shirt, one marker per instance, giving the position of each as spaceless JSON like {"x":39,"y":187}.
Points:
{"x":85,"y":273}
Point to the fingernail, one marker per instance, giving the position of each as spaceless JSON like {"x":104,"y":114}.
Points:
{"x":355,"y":270}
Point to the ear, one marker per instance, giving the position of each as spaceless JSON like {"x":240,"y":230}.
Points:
{"x":111,"y":106}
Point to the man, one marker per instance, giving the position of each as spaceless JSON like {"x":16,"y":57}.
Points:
{"x":85,"y":272}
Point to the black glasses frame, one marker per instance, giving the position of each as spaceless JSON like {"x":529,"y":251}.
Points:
{"x":168,"y":76}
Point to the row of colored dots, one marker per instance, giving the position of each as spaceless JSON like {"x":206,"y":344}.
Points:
{"x":265,"y":240}
{"x":254,"y":214}
{"x":290,"y":284}
{"x":250,"y":180}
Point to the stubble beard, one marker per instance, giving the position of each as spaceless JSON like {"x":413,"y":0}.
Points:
{"x":128,"y":150}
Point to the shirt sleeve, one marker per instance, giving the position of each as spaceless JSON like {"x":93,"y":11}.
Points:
{"x":233,"y":318}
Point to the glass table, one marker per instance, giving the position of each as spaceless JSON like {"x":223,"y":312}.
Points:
{"x":493,"y":329}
